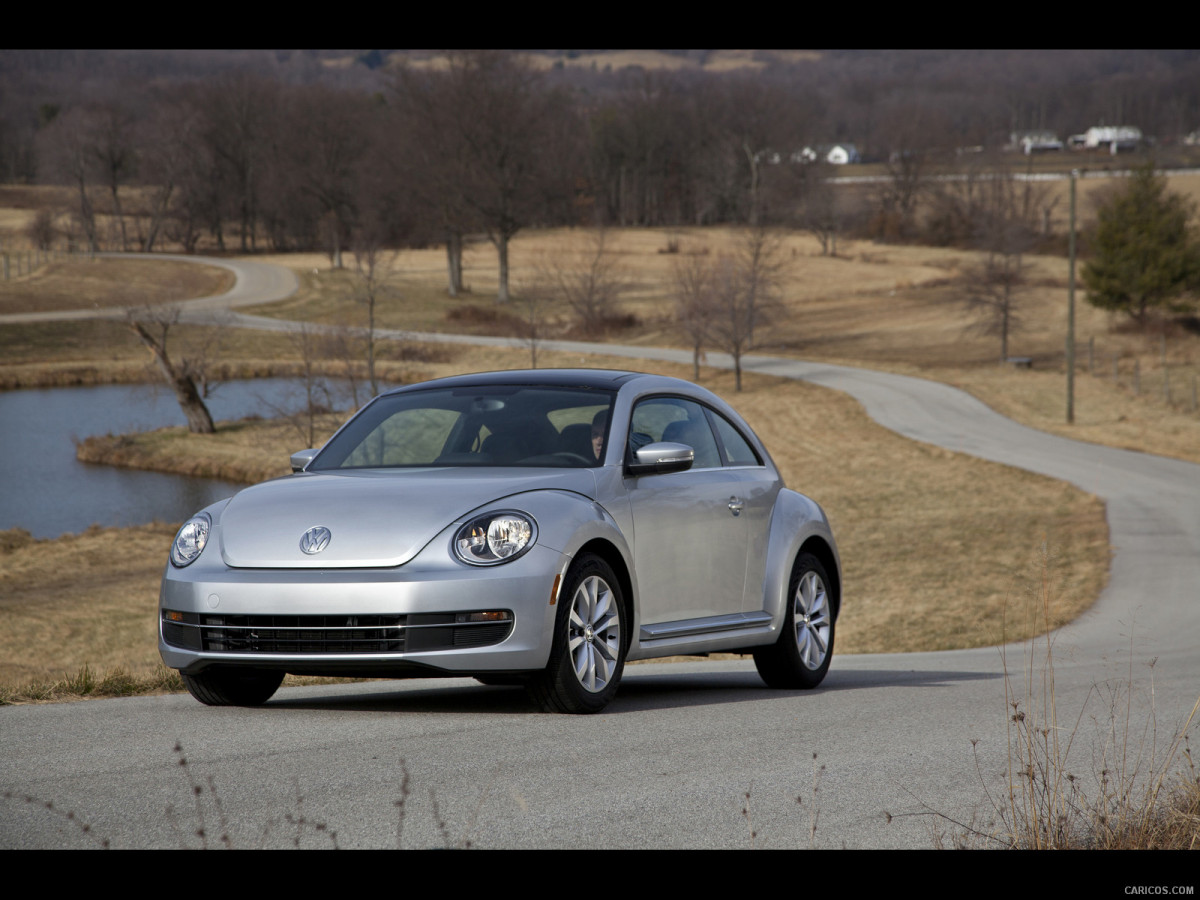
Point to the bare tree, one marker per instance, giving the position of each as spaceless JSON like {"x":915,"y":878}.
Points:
{"x":1005,"y":229}
{"x":113,"y":154}
{"x":307,"y":341}
{"x":346,"y":346}
{"x":42,"y":230}
{"x":427,"y":155}
{"x":997,"y":285}
{"x":505,"y":125}
{"x":66,"y":147}
{"x":589,"y":279}
{"x":239,"y":114}
{"x":372,"y":263}
{"x":329,"y":138}
{"x":152,"y":326}
{"x":694,"y":281}
{"x":168,"y":140}
{"x":747,"y":285}
{"x":913,"y":131}
{"x":821,"y":213}
{"x":535,"y":304}
{"x":755,"y":129}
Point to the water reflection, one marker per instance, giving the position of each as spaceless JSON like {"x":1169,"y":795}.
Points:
{"x":47,"y":491}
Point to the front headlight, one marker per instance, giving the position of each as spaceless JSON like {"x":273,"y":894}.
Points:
{"x":495,"y":538}
{"x":190,"y":541}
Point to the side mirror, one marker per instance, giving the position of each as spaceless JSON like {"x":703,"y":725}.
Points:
{"x":661,"y":458}
{"x":301,"y":459}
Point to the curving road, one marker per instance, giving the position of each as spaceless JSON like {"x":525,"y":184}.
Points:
{"x":670,"y":763}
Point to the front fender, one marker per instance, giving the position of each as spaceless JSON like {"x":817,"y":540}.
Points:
{"x":567,"y":521}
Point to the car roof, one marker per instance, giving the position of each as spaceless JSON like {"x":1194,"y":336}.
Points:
{"x":606,"y":379}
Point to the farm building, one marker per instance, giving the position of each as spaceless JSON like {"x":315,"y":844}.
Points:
{"x":834,"y":154}
{"x":1115,"y":137}
{"x":1029,"y":142}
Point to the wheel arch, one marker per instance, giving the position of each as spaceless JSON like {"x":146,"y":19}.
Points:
{"x":823,"y":552}
{"x":609,"y":552}
{"x":798,"y":525}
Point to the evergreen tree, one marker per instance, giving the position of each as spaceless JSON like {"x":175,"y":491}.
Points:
{"x":1144,"y":255}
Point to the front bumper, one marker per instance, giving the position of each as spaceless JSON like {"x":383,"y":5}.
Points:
{"x":382,"y":622}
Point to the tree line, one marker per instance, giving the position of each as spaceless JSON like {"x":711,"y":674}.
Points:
{"x":283,"y":157}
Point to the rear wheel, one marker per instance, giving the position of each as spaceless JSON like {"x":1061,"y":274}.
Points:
{"x":233,"y":687}
{"x":801,"y":656}
{"x":587,"y":656}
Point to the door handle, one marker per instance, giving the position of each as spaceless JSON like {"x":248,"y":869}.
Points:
{"x":736,"y":506}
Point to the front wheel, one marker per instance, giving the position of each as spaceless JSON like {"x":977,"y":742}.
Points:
{"x":801,"y":656}
{"x":587,"y":654}
{"x":233,"y":687}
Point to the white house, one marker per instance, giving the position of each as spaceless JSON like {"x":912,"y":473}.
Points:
{"x":1115,"y":137}
{"x":1030,"y":142}
{"x":841,"y":154}
{"x":834,"y":154}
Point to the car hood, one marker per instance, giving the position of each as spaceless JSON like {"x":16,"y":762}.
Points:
{"x":374,"y":517}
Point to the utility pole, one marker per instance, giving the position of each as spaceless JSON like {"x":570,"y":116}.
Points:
{"x":1071,"y":310}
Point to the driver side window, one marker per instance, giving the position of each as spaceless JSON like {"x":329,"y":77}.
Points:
{"x":677,"y":420}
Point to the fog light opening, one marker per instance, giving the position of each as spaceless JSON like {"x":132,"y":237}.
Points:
{"x":491,"y":615}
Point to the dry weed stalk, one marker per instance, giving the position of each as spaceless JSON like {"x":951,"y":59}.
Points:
{"x":69,"y":815}
{"x":1135,"y":804}
{"x":814,"y":809}
{"x":746,"y":814}
{"x":1047,"y":806}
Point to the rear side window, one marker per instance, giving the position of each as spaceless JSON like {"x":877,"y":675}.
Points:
{"x":738,"y":451}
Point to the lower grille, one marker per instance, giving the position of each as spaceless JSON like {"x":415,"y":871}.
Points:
{"x":302,"y":634}
{"x":342,"y":634}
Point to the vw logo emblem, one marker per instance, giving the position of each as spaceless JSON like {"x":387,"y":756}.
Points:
{"x":315,"y":540}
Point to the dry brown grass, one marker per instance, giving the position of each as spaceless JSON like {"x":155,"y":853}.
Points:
{"x":897,"y":308}
{"x":1139,"y":792}
{"x":1104,"y":413}
{"x":61,"y":354}
{"x":80,"y":615}
{"x":653,"y":60}
{"x":86,"y":599}
{"x":82,"y":283}
{"x":932,"y":543}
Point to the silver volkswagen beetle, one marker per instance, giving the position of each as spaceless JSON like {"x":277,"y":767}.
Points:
{"x":539,"y":527}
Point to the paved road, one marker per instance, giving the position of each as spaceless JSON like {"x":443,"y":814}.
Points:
{"x":671,"y":761}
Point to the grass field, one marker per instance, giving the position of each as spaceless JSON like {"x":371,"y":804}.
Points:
{"x":896,"y":308}
{"x":102,"y":283}
{"x":934,"y":546}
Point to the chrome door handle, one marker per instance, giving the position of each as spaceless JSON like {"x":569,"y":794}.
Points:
{"x":736,"y":505}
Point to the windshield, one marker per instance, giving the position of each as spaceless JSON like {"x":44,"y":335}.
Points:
{"x":496,"y":425}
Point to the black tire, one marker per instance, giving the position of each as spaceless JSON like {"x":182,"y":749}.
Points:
{"x":233,"y":687}
{"x":801,"y":656}
{"x":587,"y":655}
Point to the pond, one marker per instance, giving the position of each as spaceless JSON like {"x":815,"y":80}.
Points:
{"x":47,"y":491}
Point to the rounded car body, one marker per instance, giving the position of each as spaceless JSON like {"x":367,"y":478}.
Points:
{"x":540,"y":527}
